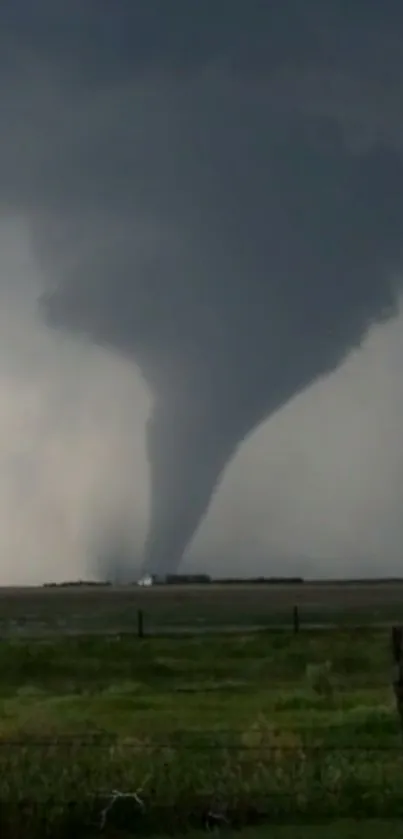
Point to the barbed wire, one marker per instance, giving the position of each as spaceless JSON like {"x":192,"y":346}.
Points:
{"x":287,"y":701}
{"x":200,"y":747}
{"x":30,"y":630}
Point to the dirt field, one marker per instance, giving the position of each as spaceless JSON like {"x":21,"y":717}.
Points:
{"x":93,"y":609}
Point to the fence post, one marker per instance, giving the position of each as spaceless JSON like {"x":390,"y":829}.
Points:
{"x":295,"y":620}
{"x":397,"y":650}
{"x":140,"y":623}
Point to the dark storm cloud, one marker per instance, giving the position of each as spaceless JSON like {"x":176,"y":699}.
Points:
{"x":101,"y":45}
{"x":216,"y":190}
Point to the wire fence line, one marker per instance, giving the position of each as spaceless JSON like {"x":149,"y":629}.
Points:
{"x":201,"y":747}
{"x":145,"y":624}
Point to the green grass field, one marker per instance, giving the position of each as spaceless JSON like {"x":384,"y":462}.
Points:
{"x":258,"y":727}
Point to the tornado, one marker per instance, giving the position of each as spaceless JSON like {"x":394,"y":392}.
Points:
{"x":229,"y":215}
{"x":282,"y":277}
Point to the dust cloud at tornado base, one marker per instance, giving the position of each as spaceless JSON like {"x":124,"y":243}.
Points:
{"x":231,"y":240}
{"x":73,"y":470}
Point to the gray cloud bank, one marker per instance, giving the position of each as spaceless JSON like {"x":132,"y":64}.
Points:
{"x":212,"y":197}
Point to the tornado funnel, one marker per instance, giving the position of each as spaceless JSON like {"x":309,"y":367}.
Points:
{"x":226,"y":336}
{"x":187,"y":456}
{"x":221,"y":200}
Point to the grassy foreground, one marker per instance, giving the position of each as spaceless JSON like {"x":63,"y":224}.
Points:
{"x":223,"y":730}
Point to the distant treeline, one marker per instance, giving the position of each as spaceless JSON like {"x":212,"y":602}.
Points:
{"x":205,"y":579}
{"x":185,"y":579}
{"x":188,"y":579}
{"x":260,"y":581}
{"x":69,"y":583}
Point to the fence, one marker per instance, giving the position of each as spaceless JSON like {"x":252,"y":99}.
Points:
{"x":293,"y":622}
{"x":235,"y":775}
{"x":197,"y":609}
{"x":206,"y":778}
{"x":143,"y":624}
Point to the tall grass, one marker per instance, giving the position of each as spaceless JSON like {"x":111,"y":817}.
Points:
{"x":195,"y":732}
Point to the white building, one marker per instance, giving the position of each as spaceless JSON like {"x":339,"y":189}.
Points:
{"x":147,"y":580}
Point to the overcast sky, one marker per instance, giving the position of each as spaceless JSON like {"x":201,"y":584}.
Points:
{"x":130,"y":133}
